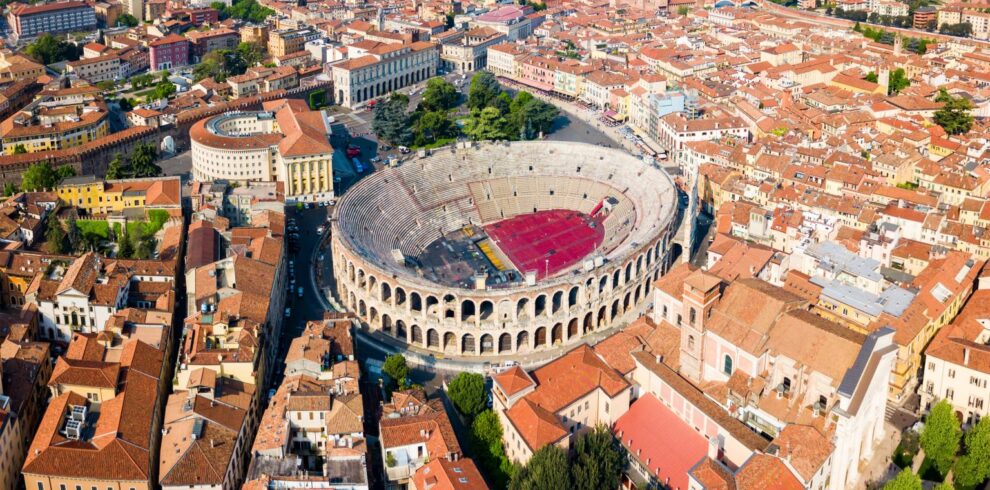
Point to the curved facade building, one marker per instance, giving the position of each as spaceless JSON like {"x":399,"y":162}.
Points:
{"x":503,"y":248}
{"x":285,"y":142}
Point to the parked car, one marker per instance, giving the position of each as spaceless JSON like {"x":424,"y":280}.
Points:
{"x":288,"y":312}
{"x":300,"y":291}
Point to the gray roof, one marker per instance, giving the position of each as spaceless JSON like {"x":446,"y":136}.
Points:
{"x":835,"y":258}
{"x":893,"y":301}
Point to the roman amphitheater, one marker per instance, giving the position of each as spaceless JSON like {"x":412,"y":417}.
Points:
{"x":503,"y":248}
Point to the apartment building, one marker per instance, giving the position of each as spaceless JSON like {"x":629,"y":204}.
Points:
{"x":28,"y":21}
{"x":202,"y":42}
{"x":383,"y":69}
{"x":558,"y":401}
{"x":468,"y":51}
{"x":57,"y":119}
{"x":25,"y":368}
{"x":171,"y":51}
{"x":414,"y":431}
{"x":287,"y":41}
{"x":97,"y":69}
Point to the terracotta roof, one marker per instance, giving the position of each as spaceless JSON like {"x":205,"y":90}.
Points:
{"x":657,"y":438}
{"x":513,"y":381}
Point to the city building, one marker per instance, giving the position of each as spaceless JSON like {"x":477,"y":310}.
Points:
{"x":55,"y":120}
{"x":383,"y":69}
{"x":171,"y":51}
{"x":412,"y":432}
{"x":287,"y":41}
{"x":286,"y":142}
{"x":469,"y":51}
{"x":29,"y":21}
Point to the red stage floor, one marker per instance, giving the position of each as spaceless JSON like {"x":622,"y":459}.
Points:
{"x":546,"y":241}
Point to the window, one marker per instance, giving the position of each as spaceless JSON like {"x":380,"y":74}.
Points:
{"x":41,"y":486}
{"x":693,"y":316}
{"x":727,"y":365}
{"x":952,"y":373}
{"x":931,"y":366}
{"x":690,"y":341}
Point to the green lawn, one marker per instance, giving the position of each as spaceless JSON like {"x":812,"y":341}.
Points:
{"x":94,"y":228}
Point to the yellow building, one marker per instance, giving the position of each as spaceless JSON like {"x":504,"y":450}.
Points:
{"x":55,"y":122}
{"x":114,"y":196}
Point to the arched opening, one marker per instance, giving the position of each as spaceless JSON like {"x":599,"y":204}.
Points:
{"x":486,"y":310}
{"x":504,"y":343}
{"x":360,"y":279}
{"x":615,"y":310}
{"x":602,"y":283}
{"x":521,"y":307}
{"x":626,"y":302}
{"x":639,"y":265}
{"x":628,"y":273}
{"x":387,"y":324}
{"x":400,"y":330}
{"x":467,"y":310}
{"x":572,"y":328}
{"x":431,"y":305}
{"x":602,"y":316}
{"x":372,"y":283}
{"x":449,"y":306}
{"x":487,"y":344}
{"x":588,"y":323}
{"x":362,"y":309}
{"x":449,"y":341}
{"x":540,"y":305}
{"x":557,"y":334}
{"x":522,"y":341}
{"x":572,"y":297}
{"x":372,"y":316}
{"x":467,"y":344}
{"x":417,"y":334}
{"x":415,"y":301}
{"x":615,"y":279}
{"x":400,"y":296}
{"x":386,"y":292}
{"x":432,"y":339}
{"x":540,"y":337}
{"x":350,"y":272}
{"x":727,"y":365}
{"x":636,"y":295}
{"x":352,"y":303}
{"x":557,"y":302}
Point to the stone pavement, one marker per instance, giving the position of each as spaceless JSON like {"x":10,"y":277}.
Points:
{"x":881,"y":467}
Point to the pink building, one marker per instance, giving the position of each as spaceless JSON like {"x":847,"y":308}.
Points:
{"x":539,"y":72}
{"x":169,"y":52}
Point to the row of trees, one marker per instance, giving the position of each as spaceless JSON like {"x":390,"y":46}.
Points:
{"x":140,"y":164}
{"x":47,"y":49}
{"x":222,"y":63}
{"x":42,"y":175}
{"x":941,"y":438}
{"x":249,"y":10}
{"x":494,"y":114}
{"x":467,"y":393}
{"x":595,"y":462}
{"x":962,"y":29}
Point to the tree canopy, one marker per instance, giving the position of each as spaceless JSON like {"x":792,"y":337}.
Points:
{"x":127,"y":20}
{"x":395,"y":368}
{"x":141,"y":164}
{"x":898,"y":81}
{"x":40,"y":176}
{"x":55,"y":241}
{"x":547,"y":469}
{"x":483,"y":90}
{"x":390,"y":121}
{"x":940,"y":437}
{"x":973,"y":467}
{"x":905,"y":480}
{"x":439,"y":95}
{"x":598,"y":461}
{"x":467,"y":392}
{"x":486,"y":440}
{"x":47,"y":50}
{"x":954,"y":116}
{"x":249,"y":10}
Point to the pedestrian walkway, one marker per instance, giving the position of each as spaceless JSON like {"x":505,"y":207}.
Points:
{"x":881,"y":468}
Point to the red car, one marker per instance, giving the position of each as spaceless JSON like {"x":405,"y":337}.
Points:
{"x":353,"y":151}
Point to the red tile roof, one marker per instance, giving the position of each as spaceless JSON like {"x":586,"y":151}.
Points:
{"x":657,"y":437}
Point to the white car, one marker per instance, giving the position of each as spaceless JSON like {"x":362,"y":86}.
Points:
{"x":288,"y":312}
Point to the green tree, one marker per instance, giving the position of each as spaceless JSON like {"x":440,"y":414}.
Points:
{"x":683,"y":10}
{"x":317,"y":98}
{"x":252,"y":53}
{"x":432,"y":126}
{"x":598,"y":461}
{"x":390,"y":121}
{"x":142,"y":162}
{"x":547,"y":469}
{"x":55,"y":237}
{"x":63,"y":172}
{"x":439,"y":95}
{"x":973,"y":467}
{"x":954,"y":116}
{"x":905,"y":480}
{"x":163,"y":90}
{"x":395,"y":368}
{"x":47,"y":50}
{"x":73,"y":234}
{"x":898,"y":81}
{"x":467,"y":392}
{"x":486,"y":124}
{"x":871,"y":77}
{"x":127,"y":20}
{"x":940,"y":437}
{"x":486,"y":440}
{"x":39,"y":176}
{"x":502,"y":103}
{"x":538,"y":117}
{"x":116,"y":168}
{"x":483,"y":90}
{"x":125,"y":247}
{"x":9,"y":189}
{"x":19,"y":149}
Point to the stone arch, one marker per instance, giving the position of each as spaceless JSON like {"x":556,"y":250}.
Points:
{"x":400,"y":296}
{"x":505,"y":310}
{"x":467,"y":344}
{"x":572,"y":297}
{"x":639,"y":265}
{"x":602,"y":317}
{"x":636,"y":295}
{"x":432,"y":339}
{"x":400,"y":330}
{"x":387,"y":324}
{"x":372,"y":282}
{"x":467,"y":310}
{"x":487,"y":344}
{"x":602,"y":284}
{"x":415,"y":301}
{"x":589,"y":324}
{"x":386,"y":292}
{"x":372,"y":316}
{"x":352,"y":303}
{"x":522,"y":306}
{"x":449,"y":306}
{"x":522,"y":341}
{"x":486,"y":310}
{"x":431,"y":301}
{"x":540,"y":306}
{"x":449,"y":341}
{"x":615,"y":311}
{"x":626,"y":302}
{"x":362,"y":308}
{"x":629,"y":267}
{"x":504,"y":343}
{"x":572,"y":328}
{"x":540,"y":338}
{"x":557,"y":302}
{"x":557,"y":334}
{"x":615,"y":279}
{"x":350,"y":271}
{"x":417,"y":335}
{"x":361,"y":283}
